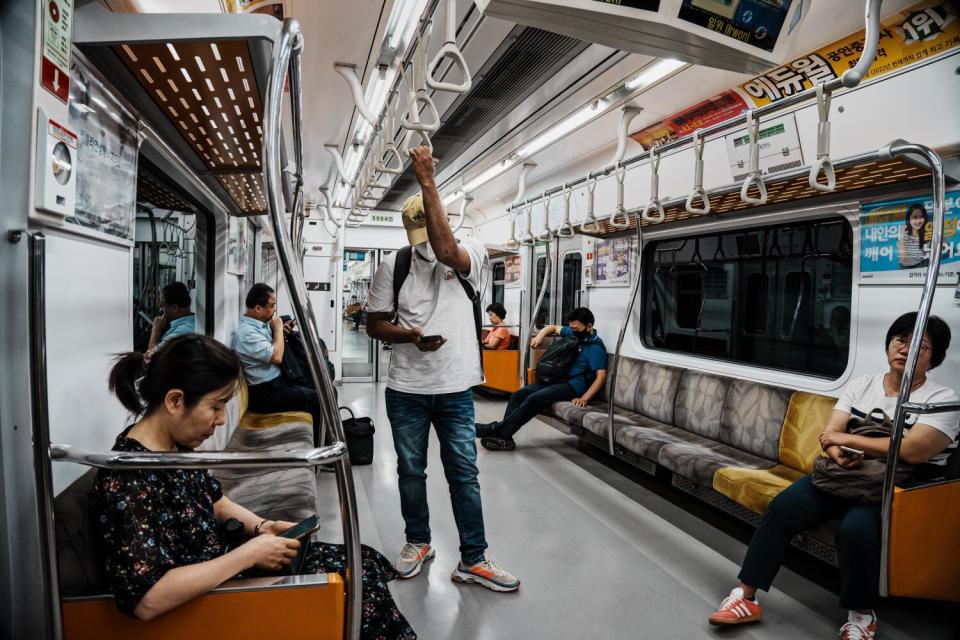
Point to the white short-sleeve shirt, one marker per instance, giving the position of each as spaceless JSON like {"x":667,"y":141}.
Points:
{"x":432,"y":298}
{"x":863,"y":395}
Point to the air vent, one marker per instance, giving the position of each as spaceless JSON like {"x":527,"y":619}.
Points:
{"x":528,"y":58}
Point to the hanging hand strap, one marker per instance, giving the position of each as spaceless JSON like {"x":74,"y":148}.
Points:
{"x":590,"y":220}
{"x":823,"y":145}
{"x":620,"y":210}
{"x":753,"y":177}
{"x":698,"y":191}
{"x":545,"y":233}
{"x":654,"y":205}
{"x":565,"y":229}
{"x":451,"y":51}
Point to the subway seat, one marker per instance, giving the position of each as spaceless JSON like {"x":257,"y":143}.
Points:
{"x":739,"y":443}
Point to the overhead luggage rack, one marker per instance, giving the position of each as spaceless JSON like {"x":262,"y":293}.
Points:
{"x":206,"y":79}
{"x":854,"y":174}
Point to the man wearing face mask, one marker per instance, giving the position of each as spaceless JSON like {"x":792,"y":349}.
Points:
{"x":436,"y":361}
{"x":583,"y":382}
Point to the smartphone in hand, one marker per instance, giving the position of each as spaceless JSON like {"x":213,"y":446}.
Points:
{"x":432,"y":338}
{"x":850,"y":452}
{"x":302,"y":529}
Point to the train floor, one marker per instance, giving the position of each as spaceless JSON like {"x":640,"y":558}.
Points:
{"x":602,"y":553}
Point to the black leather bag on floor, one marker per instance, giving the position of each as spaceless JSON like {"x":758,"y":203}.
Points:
{"x":359,"y":432}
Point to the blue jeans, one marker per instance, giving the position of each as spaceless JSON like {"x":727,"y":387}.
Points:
{"x":801,"y":506}
{"x":452,"y":416}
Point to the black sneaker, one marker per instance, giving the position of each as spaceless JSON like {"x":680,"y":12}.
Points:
{"x":486,"y":429}
{"x":498,"y":443}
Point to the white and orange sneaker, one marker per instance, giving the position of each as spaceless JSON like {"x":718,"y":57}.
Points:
{"x":412,"y":558}
{"x":859,"y":626}
{"x":736,"y":609}
{"x":487,"y":574}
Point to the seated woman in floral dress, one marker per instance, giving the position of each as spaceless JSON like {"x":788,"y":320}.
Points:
{"x":161,"y":529}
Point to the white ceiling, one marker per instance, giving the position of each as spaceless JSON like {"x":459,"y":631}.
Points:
{"x":351,"y":31}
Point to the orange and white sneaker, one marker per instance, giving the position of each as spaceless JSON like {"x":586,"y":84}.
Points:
{"x":859,"y":626}
{"x":487,"y":574}
{"x":412,"y":558}
{"x":736,"y":609}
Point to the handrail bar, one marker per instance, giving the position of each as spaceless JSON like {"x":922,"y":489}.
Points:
{"x":848,"y":80}
{"x":536,"y":307}
{"x":286,"y":61}
{"x":615,"y":365}
{"x":894,"y":149}
{"x":119,"y":460}
{"x":927,"y":408}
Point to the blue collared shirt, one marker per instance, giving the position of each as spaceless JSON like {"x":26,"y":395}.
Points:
{"x":592,"y":358}
{"x":253,"y":343}
{"x":184,"y":326}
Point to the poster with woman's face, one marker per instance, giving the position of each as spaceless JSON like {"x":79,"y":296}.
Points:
{"x":896,"y":240}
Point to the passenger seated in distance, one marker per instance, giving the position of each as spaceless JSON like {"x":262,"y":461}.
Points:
{"x":584,"y":381}
{"x":499,"y":336}
{"x":259,"y":343}
{"x":175,"y":317}
{"x":161,"y":529}
{"x":802,"y":505}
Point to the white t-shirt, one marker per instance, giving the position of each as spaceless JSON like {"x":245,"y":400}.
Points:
{"x":432,"y":298}
{"x":863,"y":395}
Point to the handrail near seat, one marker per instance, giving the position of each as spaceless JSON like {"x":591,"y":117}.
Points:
{"x":120,"y":460}
{"x":894,"y":149}
{"x":286,"y":60}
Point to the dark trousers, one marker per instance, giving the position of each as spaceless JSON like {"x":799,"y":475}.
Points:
{"x":527,"y":402}
{"x":278,"y":395}
{"x":802,"y":506}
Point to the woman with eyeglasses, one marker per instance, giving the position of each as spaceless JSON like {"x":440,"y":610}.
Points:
{"x":927,"y":442}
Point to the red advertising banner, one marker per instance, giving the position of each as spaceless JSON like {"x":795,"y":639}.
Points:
{"x":704,"y":114}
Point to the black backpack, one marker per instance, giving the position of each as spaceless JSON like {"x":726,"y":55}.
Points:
{"x":555,"y":363}
{"x":401,"y":269}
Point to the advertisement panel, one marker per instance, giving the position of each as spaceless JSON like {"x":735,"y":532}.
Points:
{"x":754,"y":22}
{"x":511,"y":271}
{"x":895,"y":240}
{"x":612,"y":262}
{"x":924,"y":30}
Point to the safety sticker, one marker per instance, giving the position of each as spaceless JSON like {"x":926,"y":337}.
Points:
{"x":57,"y":38}
{"x":61,"y":133}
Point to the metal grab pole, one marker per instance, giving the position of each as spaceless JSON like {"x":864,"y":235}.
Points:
{"x":615,"y":367}
{"x":286,"y":54}
{"x":899,"y":148}
{"x":536,"y":307}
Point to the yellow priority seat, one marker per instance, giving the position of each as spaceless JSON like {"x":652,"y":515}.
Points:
{"x":308,"y":607}
{"x":806,"y":416}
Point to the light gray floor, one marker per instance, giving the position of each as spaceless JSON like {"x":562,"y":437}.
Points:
{"x":599,"y":556}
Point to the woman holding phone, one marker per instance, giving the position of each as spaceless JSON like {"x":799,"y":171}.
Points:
{"x":161,"y":529}
{"x":927,"y":442}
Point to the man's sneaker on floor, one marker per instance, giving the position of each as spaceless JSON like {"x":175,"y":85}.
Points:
{"x":859,"y":626}
{"x":486,"y":429}
{"x":736,"y":609}
{"x":486,"y":573}
{"x":412,"y":558}
{"x":498,"y":443}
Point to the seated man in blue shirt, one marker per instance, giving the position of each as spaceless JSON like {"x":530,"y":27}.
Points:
{"x":175,"y":317}
{"x":259,"y":342}
{"x":584,"y":381}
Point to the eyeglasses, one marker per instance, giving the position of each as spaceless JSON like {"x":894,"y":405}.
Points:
{"x":900,"y":342}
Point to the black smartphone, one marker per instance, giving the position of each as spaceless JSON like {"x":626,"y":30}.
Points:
{"x":436,"y":338}
{"x":303,"y":528}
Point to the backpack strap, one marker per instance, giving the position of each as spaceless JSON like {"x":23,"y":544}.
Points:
{"x":474,"y":297}
{"x":401,"y":269}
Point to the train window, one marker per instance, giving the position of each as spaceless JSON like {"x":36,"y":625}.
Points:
{"x":572,"y":274}
{"x":499,"y":273}
{"x":543,"y":315}
{"x":777,"y":297}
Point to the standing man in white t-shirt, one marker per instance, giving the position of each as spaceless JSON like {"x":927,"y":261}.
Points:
{"x":435,"y":362}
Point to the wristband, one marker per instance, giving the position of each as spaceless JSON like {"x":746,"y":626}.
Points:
{"x":256,"y":529}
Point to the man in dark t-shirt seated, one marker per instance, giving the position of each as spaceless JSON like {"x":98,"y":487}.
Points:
{"x":583,"y":382}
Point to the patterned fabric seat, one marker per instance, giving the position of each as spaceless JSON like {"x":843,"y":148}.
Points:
{"x":597,"y":422}
{"x":700,"y":459}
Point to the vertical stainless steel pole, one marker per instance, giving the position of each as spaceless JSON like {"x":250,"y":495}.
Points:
{"x":615,"y":367}
{"x":286,"y":53}
{"x":899,"y":148}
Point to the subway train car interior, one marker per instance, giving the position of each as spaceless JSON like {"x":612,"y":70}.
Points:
{"x":480,"y":319}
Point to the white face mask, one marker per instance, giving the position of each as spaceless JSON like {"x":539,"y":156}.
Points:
{"x":425,"y":251}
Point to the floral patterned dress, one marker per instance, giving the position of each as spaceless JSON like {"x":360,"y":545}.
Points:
{"x":154,"y":521}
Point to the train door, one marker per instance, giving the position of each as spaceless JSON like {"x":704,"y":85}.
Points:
{"x":359,"y":349}
{"x":569,"y":279}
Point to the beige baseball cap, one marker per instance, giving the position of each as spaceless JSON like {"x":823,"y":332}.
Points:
{"x":415,"y":220}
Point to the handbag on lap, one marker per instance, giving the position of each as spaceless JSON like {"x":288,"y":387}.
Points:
{"x":863,"y":484}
